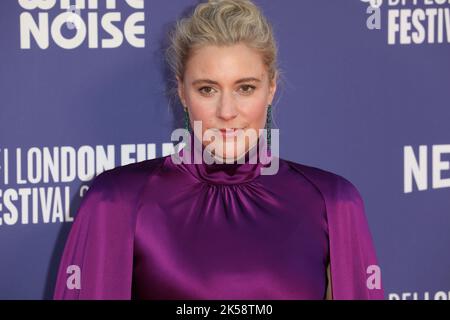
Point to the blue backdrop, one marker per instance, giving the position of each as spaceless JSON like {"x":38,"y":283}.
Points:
{"x":365,"y":94}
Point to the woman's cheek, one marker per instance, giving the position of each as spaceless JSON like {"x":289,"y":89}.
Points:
{"x":256,"y":112}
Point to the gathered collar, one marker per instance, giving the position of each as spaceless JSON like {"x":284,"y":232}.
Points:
{"x":243,"y":171}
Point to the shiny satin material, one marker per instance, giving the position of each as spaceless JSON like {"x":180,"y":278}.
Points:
{"x":160,"y":230}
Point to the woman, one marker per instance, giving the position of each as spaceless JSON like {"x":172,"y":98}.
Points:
{"x":160,"y":229}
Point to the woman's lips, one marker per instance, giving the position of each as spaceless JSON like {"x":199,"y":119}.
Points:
{"x":230,"y":132}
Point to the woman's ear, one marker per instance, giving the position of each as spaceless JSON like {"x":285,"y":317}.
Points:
{"x":180,"y":89}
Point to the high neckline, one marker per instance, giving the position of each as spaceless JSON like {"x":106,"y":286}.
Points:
{"x":243,"y":171}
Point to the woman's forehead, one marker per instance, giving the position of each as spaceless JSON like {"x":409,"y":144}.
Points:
{"x":225,"y":63}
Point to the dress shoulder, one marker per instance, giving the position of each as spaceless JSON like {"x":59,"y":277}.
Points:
{"x":126,"y":179}
{"x":330,"y":184}
{"x":97,"y":262}
{"x":352,"y":252}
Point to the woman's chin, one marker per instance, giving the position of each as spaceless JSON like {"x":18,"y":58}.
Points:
{"x":231,"y":156}
{"x":227,"y":151}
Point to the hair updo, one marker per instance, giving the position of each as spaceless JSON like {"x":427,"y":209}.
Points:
{"x":222,"y":23}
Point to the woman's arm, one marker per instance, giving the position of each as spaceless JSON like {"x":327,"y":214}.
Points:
{"x":97,"y":261}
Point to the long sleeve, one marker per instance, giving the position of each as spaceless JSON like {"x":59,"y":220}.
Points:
{"x":353,"y":260}
{"x":355,"y":271}
{"x":97,"y":260}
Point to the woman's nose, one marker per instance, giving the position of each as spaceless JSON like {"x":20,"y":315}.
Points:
{"x":227,"y":109}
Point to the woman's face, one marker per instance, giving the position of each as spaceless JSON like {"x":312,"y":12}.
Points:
{"x":227,"y":88}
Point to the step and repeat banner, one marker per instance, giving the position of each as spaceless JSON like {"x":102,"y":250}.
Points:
{"x":365,"y":93}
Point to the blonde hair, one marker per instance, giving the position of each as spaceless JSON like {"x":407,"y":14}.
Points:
{"x":222,"y":23}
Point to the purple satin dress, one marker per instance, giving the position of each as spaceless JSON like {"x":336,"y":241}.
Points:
{"x":159,"y":230}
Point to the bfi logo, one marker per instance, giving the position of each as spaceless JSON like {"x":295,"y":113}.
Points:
{"x":83,"y":21}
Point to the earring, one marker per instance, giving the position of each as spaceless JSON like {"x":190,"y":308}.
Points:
{"x":269,"y":125}
{"x":187,"y":122}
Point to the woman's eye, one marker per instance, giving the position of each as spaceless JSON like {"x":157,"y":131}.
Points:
{"x":248,"y":89}
{"x":206,"y":90}
{"x":245,"y":89}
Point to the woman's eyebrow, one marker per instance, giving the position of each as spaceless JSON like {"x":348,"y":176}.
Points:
{"x":209,"y":81}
